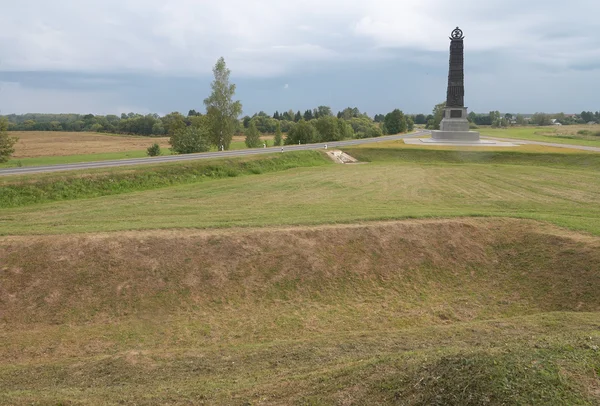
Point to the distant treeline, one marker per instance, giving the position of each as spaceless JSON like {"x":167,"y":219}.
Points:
{"x":361,"y":125}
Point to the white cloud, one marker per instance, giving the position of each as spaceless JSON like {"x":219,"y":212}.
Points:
{"x":286,"y":86}
{"x":271,"y":37}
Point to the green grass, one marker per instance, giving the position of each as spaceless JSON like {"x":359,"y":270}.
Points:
{"x":397,"y":184}
{"x":71,"y":186}
{"x":560,"y":135}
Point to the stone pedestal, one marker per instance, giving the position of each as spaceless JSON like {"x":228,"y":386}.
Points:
{"x":455,"y":127}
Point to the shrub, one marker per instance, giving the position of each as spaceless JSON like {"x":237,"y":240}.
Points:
{"x":6,"y":143}
{"x":190,"y":140}
{"x":153,"y":150}
{"x":253,"y":136}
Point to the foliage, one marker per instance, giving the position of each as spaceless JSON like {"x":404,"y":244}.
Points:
{"x":420,"y":119}
{"x":433,"y":122}
{"x":328,"y":129}
{"x":395,"y":123}
{"x":190,"y":140}
{"x":221,"y":109}
{"x":153,"y":150}
{"x":6,"y":143}
{"x":252,"y":136}
{"x":365,"y":128}
{"x":173,"y":122}
{"x":541,"y":119}
{"x":278,"y":140}
{"x":302,"y":133}
{"x":350,"y":112}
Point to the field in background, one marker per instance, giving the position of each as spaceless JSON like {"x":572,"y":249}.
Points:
{"x":36,"y":144}
{"x":566,"y":134}
{"x":37,"y":148}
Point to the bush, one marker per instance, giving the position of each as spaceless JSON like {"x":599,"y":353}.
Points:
{"x":153,"y":150}
{"x":190,"y":140}
{"x":6,"y":143}
{"x":253,"y":136}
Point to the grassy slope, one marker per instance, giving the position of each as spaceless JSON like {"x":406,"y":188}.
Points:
{"x":462,"y":312}
{"x":558,"y":135}
{"x":398,"y":183}
{"x":28,"y":190}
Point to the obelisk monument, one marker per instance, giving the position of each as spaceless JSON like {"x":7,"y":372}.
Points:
{"x":455,"y":126}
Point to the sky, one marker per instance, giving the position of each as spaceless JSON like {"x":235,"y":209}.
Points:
{"x":156,"y":56}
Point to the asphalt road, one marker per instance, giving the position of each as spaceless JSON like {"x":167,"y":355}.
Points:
{"x":193,"y":157}
{"x":246,"y":152}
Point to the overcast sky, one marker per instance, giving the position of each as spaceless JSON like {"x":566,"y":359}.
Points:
{"x":113,"y":56}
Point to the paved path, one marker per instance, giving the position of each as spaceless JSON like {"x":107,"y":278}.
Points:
{"x":246,"y":152}
{"x":193,"y":157}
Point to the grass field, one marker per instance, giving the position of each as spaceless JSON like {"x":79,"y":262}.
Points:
{"x":282,"y":285}
{"x":567,"y":134}
{"x":396,"y":184}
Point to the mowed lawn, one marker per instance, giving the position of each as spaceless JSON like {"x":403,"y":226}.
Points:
{"x":563,"y":189}
{"x":587,"y":135}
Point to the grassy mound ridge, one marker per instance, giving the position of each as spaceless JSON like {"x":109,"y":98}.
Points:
{"x":465,"y":311}
{"x":422,"y":272}
{"x":73,"y":185}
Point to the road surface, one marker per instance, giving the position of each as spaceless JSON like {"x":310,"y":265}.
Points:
{"x":193,"y":157}
{"x":246,"y":152}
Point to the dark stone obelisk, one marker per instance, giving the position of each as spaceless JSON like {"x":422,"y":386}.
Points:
{"x":456,"y":74}
{"x":454,"y":125}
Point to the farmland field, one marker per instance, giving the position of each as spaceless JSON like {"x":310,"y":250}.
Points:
{"x":36,"y":144}
{"x":445,"y":276}
{"x":36,"y":148}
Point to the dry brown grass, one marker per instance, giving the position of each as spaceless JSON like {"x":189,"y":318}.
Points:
{"x":34,"y":144}
{"x":297,"y":315}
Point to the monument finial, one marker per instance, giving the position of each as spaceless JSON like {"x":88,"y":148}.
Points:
{"x":457,"y":34}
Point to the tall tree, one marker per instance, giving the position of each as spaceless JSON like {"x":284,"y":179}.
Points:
{"x":252,"y":136}
{"x":6,"y":143}
{"x":298,"y":116}
{"x":395,"y":122}
{"x":222,"y":110}
{"x":278,"y":138}
{"x":308,"y":115}
{"x":433,"y":121}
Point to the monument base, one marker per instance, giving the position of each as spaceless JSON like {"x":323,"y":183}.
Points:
{"x":455,"y":127}
{"x":455,"y":136}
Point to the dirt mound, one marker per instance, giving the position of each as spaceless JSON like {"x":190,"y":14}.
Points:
{"x":403,"y":273}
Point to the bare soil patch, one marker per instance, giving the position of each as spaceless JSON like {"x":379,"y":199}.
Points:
{"x":34,"y":144}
